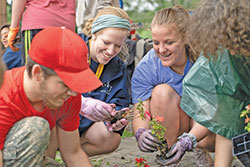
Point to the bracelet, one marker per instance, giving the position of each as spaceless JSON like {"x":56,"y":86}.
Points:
{"x":139,"y":132}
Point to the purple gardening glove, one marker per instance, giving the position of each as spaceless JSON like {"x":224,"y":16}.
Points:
{"x":96,"y":110}
{"x":186,"y":142}
{"x":147,"y":142}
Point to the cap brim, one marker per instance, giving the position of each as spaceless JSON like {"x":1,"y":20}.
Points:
{"x":80,"y":82}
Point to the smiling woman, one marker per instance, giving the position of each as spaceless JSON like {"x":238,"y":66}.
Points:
{"x":157,"y":79}
{"x":107,"y":44}
{"x":105,"y":35}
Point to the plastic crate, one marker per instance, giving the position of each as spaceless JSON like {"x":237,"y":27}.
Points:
{"x":241,"y":148}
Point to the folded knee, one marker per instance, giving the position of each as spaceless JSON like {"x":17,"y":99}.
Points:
{"x":164,"y":91}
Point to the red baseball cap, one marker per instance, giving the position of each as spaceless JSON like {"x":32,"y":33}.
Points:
{"x":66,"y":53}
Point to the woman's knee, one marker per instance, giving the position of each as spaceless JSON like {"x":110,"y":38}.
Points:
{"x":113,"y":142}
{"x":164,"y":93}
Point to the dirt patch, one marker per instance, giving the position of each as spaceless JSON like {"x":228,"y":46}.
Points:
{"x":125,"y":156}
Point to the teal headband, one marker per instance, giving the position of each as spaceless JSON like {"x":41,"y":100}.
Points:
{"x":107,"y":21}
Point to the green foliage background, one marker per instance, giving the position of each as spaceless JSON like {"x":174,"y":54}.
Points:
{"x":145,"y":15}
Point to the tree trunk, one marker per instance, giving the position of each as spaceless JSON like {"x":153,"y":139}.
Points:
{"x":3,"y":12}
{"x":3,"y":17}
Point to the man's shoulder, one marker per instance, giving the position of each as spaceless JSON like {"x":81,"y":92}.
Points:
{"x":12,"y":83}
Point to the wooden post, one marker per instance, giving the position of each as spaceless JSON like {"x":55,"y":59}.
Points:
{"x":3,"y":17}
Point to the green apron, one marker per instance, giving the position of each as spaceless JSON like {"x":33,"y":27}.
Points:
{"x":215,"y":91}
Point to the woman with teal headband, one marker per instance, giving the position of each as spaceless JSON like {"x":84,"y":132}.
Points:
{"x":105,"y":35}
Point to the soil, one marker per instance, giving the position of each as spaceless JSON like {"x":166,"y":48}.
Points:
{"x":125,"y":156}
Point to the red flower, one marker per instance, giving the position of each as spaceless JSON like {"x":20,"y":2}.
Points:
{"x":159,"y":119}
{"x":147,"y":115}
{"x":139,"y":160}
{"x":247,"y":120}
{"x":146,"y":165}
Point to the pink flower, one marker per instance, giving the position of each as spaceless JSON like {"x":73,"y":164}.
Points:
{"x":147,"y":115}
{"x":159,"y":119}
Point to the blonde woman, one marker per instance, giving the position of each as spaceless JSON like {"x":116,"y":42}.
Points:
{"x":157,"y":79}
{"x":105,"y":35}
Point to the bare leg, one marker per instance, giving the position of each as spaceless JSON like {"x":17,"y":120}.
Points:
{"x":165,"y":103}
{"x":223,"y":152}
{"x":98,"y":140}
{"x":206,"y":143}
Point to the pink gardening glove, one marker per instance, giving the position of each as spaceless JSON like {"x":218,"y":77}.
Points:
{"x":119,"y":124}
{"x":96,"y":110}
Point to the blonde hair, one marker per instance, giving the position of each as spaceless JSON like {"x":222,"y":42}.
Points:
{"x":221,"y":24}
{"x":178,"y":16}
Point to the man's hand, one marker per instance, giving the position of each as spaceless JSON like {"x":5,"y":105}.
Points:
{"x":12,"y":38}
{"x":96,"y":110}
{"x":186,"y":143}
{"x":147,"y":142}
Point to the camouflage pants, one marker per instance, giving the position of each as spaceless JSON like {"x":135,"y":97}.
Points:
{"x":26,"y":142}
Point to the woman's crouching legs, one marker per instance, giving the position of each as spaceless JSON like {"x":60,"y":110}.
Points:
{"x":165,"y":102}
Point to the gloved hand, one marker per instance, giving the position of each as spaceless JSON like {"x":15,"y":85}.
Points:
{"x":96,"y":110}
{"x":118,"y":125}
{"x":147,"y":142}
{"x":12,"y":38}
{"x":186,"y":142}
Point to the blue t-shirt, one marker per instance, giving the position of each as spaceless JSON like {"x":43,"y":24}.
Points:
{"x":150,"y":72}
{"x":12,"y":59}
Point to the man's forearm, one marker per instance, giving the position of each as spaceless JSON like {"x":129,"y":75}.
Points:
{"x":1,"y":159}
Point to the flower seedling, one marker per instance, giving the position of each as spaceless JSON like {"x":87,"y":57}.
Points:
{"x":245,"y":113}
{"x":157,"y":128}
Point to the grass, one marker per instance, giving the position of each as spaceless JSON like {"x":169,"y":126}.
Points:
{"x":127,"y":133}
